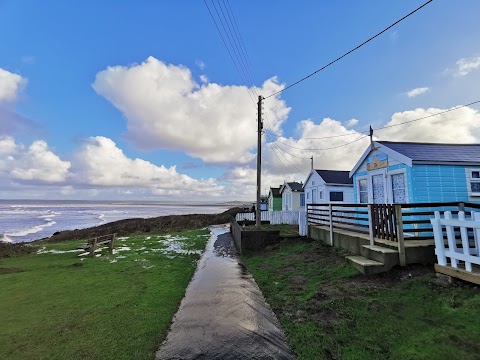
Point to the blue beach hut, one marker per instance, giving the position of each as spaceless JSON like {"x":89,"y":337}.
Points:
{"x":408,"y":172}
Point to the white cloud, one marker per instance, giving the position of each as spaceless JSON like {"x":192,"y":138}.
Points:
{"x":10,"y":85}
{"x":352,"y":123}
{"x":285,"y":159}
{"x":200,"y":64}
{"x":203,"y":79}
{"x":165,"y":108}
{"x":37,"y":163}
{"x":417,"y":91}
{"x":101,"y":163}
{"x":467,"y":65}
{"x":458,"y":126}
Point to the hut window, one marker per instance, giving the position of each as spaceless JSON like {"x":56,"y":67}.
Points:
{"x":336,"y":195}
{"x":475,"y":182}
{"x":363,"y":191}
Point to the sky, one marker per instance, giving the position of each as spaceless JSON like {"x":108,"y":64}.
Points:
{"x":140,"y":100}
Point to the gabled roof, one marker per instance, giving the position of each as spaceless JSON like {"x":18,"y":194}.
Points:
{"x":425,"y":153}
{"x":335,"y":176}
{"x":468,"y":153}
{"x":275,"y":191}
{"x":332,"y":177}
{"x":295,"y":186}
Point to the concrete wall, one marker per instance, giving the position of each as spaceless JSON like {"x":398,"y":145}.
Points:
{"x":252,"y":239}
{"x":344,"y":240}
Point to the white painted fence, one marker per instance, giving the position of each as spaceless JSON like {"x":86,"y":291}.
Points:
{"x":280,"y":217}
{"x":469,"y":250}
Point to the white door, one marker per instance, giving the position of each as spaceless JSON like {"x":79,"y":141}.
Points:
{"x":378,"y":188}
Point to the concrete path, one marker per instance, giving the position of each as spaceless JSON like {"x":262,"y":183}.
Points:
{"x":224,"y":314}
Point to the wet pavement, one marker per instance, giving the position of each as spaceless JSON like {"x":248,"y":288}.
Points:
{"x":224,"y":314}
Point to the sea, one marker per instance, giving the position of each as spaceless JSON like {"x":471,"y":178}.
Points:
{"x":29,"y":220}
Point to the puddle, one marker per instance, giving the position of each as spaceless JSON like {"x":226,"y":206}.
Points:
{"x":44,"y":251}
{"x":223,"y":314}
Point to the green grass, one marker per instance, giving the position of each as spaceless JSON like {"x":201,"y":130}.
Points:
{"x":115,"y":306}
{"x":328,"y":310}
{"x":285,"y":230}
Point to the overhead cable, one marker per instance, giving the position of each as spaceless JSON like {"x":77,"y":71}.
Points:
{"x":349,"y":52}
{"x":228,"y":50}
{"x":428,"y":116}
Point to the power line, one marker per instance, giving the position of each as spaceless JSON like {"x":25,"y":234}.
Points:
{"x":300,"y":171}
{"x":238,"y":41}
{"x":428,"y":116}
{"x":320,"y":138}
{"x":229,"y":52}
{"x":242,"y":43}
{"x":232,"y":40}
{"x":329,"y":148}
{"x":286,"y":152}
{"x":278,"y":158}
{"x":349,"y":52}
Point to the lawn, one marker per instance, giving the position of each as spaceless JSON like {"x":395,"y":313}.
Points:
{"x":285,"y":230}
{"x":57,"y":305}
{"x":330,"y":311}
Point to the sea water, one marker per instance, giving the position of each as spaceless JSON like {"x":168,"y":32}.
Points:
{"x":24,"y":221}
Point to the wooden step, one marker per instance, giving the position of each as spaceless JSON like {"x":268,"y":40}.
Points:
{"x":365,"y":266}
{"x":386,"y":256}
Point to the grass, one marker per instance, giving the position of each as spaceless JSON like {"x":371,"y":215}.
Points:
{"x":285,"y":230}
{"x":329,"y":311}
{"x":115,"y":306}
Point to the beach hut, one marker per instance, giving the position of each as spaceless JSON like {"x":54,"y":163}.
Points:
{"x":408,"y":172}
{"x":328,"y":186}
{"x":274,"y":199}
{"x":293,"y":198}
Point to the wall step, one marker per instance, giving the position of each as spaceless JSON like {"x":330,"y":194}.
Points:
{"x":387,"y":256}
{"x":366,"y":266}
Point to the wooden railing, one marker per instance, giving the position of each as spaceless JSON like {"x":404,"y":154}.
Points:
{"x":341,"y":216}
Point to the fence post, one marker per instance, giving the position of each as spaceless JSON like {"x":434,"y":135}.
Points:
{"x":399,"y":229}
{"x":438,"y":236}
{"x":370,"y":224}
{"x":465,"y":243}
{"x":476,"y":217}
{"x":451,"y":241}
{"x":93,"y":246}
{"x":114,"y":237}
{"x":330,"y":216}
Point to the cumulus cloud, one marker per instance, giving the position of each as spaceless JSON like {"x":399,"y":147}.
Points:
{"x":166,"y":109}
{"x":458,"y":126}
{"x":10,"y":85}
{"x":352,"y":123}
{"x":417,"y":91}
{"x":37,"y":163}
{"x":285,"y":158}
{"x":467,"y":65}
{"x":101,"y":163}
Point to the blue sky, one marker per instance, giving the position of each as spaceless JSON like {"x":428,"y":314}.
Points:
{"x":58,"y":48}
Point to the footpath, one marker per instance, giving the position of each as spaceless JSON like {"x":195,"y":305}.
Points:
{"x":224,"y":314}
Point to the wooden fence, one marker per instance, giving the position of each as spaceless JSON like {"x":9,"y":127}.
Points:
{"x":457,"y":250}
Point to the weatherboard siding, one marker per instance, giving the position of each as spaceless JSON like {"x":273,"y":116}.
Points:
{"x":436,"y":183}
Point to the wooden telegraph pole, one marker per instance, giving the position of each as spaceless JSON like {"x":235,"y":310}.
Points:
{"x":259,"y":161}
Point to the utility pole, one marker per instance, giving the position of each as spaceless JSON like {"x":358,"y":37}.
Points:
{"x":259,"y":161}
{"x":312,"y":161}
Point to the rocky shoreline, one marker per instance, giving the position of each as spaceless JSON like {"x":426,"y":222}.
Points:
{"x":161,"y":224}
